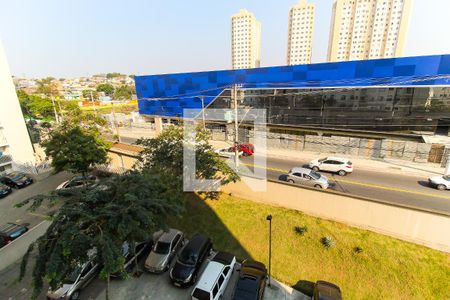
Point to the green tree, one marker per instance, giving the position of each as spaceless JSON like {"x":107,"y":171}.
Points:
{"x":75,"y":150}
{"x":87,"y":95}
{"x":47,"y":87}
{"x":24,"y":100}
{"x":113,"y":75}
{"x":127,"y":207}
{"x":123,"y":92}
{"x":164,"y":155}
{"x":106,"y":88}
{"x":40,"y":106}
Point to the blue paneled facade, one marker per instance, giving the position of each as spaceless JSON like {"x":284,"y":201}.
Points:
{"x":168,"y":94}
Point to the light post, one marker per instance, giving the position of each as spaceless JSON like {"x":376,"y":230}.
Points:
{"x":269,"y":218}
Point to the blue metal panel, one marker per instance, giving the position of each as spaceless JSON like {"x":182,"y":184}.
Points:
{"x":181,"y":90}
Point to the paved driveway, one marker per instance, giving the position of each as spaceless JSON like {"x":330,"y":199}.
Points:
{"x":150,"y":286}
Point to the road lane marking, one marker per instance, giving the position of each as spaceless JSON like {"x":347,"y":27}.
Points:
{"x":361,"y":184}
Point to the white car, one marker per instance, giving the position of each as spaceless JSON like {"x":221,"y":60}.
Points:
{"x":339,"y":165}
{"x":227,"y":152}
{"x":77,"y":182}
{"x":215,"y":278}
{"x":440,"y":182}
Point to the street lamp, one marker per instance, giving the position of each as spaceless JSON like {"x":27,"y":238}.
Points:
{"x":269,"y":218}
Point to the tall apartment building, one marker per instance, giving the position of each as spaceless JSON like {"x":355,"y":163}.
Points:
{"x":245,"y":40}
{"x":15,"y":144}
{"x":300,"y":33}
{"x":368,"y":29}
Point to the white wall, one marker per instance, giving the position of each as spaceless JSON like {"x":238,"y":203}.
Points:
{"x":11,"y":117}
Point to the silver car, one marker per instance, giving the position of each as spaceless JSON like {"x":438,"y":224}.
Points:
{"x":164,"y":250}
{"x":307,"y":177}
{"x":78,"y":279}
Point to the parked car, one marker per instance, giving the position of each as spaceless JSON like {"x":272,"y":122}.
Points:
{"x":440,"y":182}
{"x":186,"y":268}
{"x":11,"y":231}
{"x":4,"y":190}
{"x":252,"y":281}
{"x":215,"y":277}
{"x":247,"y":149}
{"x":141,"y":250}
{"x":77,"y":182}
{"x":16,"y":180}
{"x":164,"y":250}
{"x":324,"y":290}
{"x":228,"y":152}
{"x":307,"y":177}
{"x":73,"y":284}
{"x":339,"y":165}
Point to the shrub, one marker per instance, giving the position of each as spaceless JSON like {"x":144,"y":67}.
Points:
{"x":301,"y":230}
{"x":327,"y":241}
{"x":357,"y":249}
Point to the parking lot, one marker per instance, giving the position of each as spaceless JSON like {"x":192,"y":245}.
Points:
{"x":151,"y":286}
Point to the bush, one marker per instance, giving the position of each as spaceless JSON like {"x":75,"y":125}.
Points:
{"x":327,"y":241}
{"x":301,"y":230}
{"x":357,"y":249}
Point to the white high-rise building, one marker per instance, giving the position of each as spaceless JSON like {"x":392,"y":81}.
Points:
{"x":245,"y":40}
{"x":15,"y":144}
{"x":300,"y":33}
{"x":368,"y":29}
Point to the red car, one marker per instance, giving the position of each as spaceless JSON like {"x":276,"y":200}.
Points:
{"x":247,"y":149}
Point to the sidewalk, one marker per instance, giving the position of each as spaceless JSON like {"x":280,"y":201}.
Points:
{"x":381,"y":165}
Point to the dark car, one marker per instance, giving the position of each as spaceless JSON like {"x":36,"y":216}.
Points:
{"x":141,"y":249}
{"x":10,"y":232}
{"x":251,"y":282}
{"x":324,"y":290}
{"x":16,"y":180}
{"x":189,"y":261}
{"x":4,"y":190}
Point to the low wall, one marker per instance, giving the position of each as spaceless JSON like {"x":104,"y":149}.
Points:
{"x":419,"y":227}
{"x":15,"y":250}
{"x":373,"y":148}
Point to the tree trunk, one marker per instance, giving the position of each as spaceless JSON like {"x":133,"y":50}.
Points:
{"x":107,"y":288}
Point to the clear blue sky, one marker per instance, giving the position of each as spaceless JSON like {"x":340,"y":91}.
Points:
{"x":63,"y":38}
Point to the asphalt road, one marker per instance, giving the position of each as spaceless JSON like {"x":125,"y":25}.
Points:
{"x":411,"y":190}
{"x":9,"y":213}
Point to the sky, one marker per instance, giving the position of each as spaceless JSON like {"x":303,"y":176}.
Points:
{"x":67,"y":39}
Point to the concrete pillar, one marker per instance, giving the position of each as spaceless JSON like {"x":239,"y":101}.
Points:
{"x":158,"y":125}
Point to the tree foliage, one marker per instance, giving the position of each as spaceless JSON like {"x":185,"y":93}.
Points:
{"x":35,"y":106}
{"x":75,"y":150}
{"x":164,"y":154}
{"x":47,"y":87}
{"x":124,"y":92}
{"x":128,"y":207}
{"x":88,"y":93}
{"x":106,"y":88}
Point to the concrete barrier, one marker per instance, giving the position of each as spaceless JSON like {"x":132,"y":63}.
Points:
{"x":420,"y":227}
{"x":16,"y":249}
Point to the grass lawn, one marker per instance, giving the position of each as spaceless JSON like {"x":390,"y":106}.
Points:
{"x":387,"y":268}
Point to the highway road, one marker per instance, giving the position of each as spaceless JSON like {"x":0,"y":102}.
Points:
{"x":393,"y":187}
{"x":401,"y":189}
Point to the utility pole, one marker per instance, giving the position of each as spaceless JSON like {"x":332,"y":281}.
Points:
{"x":54,"y":110}
{"x":236,"y":128}
{"x":60,"y":109}
{"x":203,"y":111}
{"x":447,"y":166}
{"x":93,"y":104}
{"x":114,"y":121}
